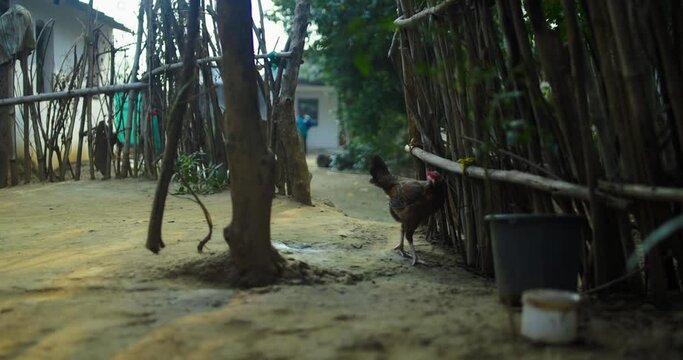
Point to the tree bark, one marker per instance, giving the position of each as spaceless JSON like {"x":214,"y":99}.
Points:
{"x":252,"y":165}
{"x":297,"y":168}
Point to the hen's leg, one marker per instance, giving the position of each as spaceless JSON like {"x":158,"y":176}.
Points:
{"x":399,"y":247}
{"x":409,"y":235}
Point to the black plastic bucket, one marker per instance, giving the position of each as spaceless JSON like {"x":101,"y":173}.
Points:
{"x":533,"y":251}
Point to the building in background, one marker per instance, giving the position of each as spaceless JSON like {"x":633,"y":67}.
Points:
{"x":320,"y":102}
{"x":315,"y":99}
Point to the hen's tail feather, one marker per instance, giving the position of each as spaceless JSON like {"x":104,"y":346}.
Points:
{"x":380,"y":173}
{"x":378,"y":168}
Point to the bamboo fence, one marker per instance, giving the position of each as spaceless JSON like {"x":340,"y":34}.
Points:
{"x":575,"y":113}
{"x":67,"y":122}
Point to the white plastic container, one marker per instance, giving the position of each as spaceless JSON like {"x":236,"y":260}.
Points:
{"x":550,"y":316}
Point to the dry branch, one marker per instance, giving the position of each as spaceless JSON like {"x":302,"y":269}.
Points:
{"x":415,"y":19}
{"x":132,"y":98}
{"x":176,"y":66}
{"x":154,"y":241}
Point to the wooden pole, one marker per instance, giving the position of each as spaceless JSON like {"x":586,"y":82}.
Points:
{"x":86,"y":118}
{"x":5,"y":121}
{"x":69,"y":94}
{"x":27,"y":142}
{"x":112,"y":111}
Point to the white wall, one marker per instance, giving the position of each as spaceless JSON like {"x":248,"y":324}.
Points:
{"x":69,"y":26}
{"x":326,"y":134}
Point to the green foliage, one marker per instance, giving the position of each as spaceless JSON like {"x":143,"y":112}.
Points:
{"x":203,"y":178}
{"x":555,"y":15}
{"x":353,"y":37}
{"x":517,"y":132}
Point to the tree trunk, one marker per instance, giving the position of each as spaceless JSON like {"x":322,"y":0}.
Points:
{"x":252,"y":165}
{"x":297,"y":168}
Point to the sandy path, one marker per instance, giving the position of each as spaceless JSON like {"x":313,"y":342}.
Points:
{"x":76,"y":282}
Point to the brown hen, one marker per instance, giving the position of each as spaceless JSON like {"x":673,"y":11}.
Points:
{"x":410,"y":201}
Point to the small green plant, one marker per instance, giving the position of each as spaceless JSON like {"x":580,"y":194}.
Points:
{"x":201,"y":176}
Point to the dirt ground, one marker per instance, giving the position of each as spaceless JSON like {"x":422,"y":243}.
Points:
{"x":77,"y":283}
